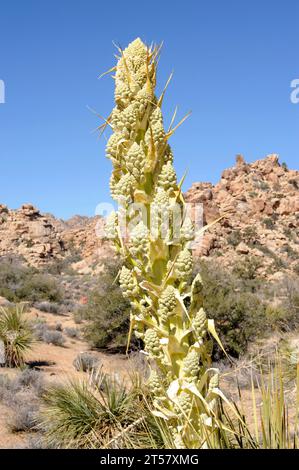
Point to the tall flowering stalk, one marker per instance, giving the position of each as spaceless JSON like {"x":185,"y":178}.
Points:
{"x":167,"y":309}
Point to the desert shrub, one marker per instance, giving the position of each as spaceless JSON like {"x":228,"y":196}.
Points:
{"x":40,"y":287}
{"x":285,"y":301}
{"x":61,"y":308}
{"x":7,"y":293}
{"x":276,"y":314}
{"x":20,"y":283}
{"x":284,"y":166}
{"x":50,"y":335}
{"x":36,"y":441}
{"x":107,"y":313}
{"x":53,"y":337}
{"x":22,"y":394}
{"x":86,"y":362}
{"x":234,"y":238}
{"x":63,"y":265}
{"x":29,"y":378}
{"x":291,"y":253}
{"x":16,"y":334}
{"x":49,"y":307}
{"x":24,"y":417}
{"x":247,"y":271}
{"x":277,"y":261}
{"x":290,"y":290}
{"x":12,"y":276}
{"x":4,"y":387}
{"x":68,"y":305}
{"x":240,"y":317}
{"x":290,"y":233}
{"x":39,"y":328}
{"x":249,"y":234}
{"x":72,"y":332}
{"x":269,"y":223}
{"x":238,"y":312}
{"x":246,"y":307}
{"x":263,"y":186}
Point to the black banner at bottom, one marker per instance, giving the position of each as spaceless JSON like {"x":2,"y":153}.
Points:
{"x":132,"y":459}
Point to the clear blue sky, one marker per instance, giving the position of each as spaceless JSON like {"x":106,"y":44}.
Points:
{"x":233,"y":62}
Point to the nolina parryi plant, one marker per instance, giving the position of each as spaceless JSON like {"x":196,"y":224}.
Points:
{"x":167,"y":310}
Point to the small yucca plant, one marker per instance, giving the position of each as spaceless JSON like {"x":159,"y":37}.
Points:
{"x":16,"y":335}
{"x":167,"y":310}
{"x":102,"y":413}
{"x":97,"y":413}
{"x":269,"y":420}
{"x":276,"y":417}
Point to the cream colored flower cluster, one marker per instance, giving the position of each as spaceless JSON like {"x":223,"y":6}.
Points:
{"x":167,"y":311}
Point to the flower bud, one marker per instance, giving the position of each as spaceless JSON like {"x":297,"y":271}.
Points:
{"x":199,"y":322}
{"x":214,"y":382}
{"x":122,"y":93}
{"x":135,"y":161}
{"x":128,"y":283}
{"x":113,"y":146}
{"x":111,"y":226}
{"x":123,"y":189}
{"x":140,"y":240}
{"x":154,"y":384}
{"x":184,"y":405}
{"x":157,"y":130}
{"x":145,"y":97}
{"x":167,"y":178}
{"x":152,"y":343}
{"x":184,"y":265}
{"x":187,"y":230}
{"x":167,"y":303}
{"x":191,"y":365}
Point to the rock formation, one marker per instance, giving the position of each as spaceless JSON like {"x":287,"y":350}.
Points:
{"x":259,"y":203}
{"x":29,"y":234}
